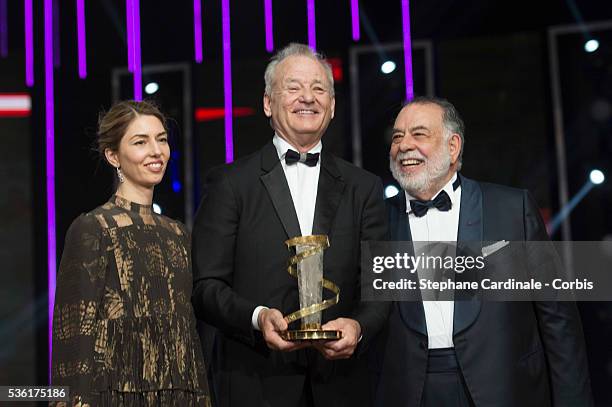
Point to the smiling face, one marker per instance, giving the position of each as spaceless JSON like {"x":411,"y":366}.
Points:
{"x":301,"y":104}
{"x":423,"y":156}
{"x":142,"y":155}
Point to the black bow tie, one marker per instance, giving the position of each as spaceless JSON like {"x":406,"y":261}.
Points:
{"x":442,"y":202}
{"x":420,"y":208}
{"x":292,"y":157}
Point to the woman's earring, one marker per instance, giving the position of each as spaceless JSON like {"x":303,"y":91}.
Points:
{"x":120,"y":175}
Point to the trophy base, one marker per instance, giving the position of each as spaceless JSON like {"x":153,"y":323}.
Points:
{"x":311,"y":335}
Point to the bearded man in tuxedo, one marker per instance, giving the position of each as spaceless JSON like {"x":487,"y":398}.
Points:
{"x":469,"y":353}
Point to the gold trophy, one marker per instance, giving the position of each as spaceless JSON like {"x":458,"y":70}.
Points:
{"x":307,"y":267}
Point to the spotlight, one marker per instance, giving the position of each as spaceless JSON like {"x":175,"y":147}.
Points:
{"x":387,"y":67}
{"x":390,"y":191}
{"x":157,"y":209}
{"x":151,"y":88}
{"x":591,"y":45}
{"x":597,"y":177}
{"x":176,"y":186}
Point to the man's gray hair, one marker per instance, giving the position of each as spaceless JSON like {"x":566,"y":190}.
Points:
{"x":451,"y":119}
{"x":296,"y":49}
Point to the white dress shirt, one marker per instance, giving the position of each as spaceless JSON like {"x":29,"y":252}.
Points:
{"x":303,"y":184}
{"x":439,"y":226}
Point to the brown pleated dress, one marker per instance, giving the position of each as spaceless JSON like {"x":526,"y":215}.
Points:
{"x":123,"y":327}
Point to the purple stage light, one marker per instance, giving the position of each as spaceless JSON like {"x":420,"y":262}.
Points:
{"x":355,"y":19}
{"x":29,"y":43}
{"x":227,"y":80}
{"x":268,"y":21}
{"x":312,"y":34}
{"x":407,"y":50}
{"x":137,"y":54}
{"x":82,"y":51}
{"x":133,"y":40}
{"x":129,"y":30}
{"x":50,"y":168}
{"x":197,"y":29}
{"x":3,"y":30}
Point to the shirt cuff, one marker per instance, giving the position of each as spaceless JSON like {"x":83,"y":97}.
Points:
{"x":255,"y":317}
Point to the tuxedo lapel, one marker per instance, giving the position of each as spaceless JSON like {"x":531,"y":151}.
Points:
{"x":398,"y":218}
{"x":469,"y":242}
{"x":329,"y":193}
{"x":273,"y":178}
{"x":411,"y":312}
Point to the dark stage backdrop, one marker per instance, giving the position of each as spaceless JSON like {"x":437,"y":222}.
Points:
{"x":499,"y":85}
{"x":586,"y":86}
{"x":20,"y":312}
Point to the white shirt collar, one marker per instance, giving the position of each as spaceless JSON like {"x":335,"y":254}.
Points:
{"x":448,"y":188}
{"x":282,"y":146}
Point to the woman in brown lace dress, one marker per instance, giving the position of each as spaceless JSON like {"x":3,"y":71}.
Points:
{"x":123,"y":328}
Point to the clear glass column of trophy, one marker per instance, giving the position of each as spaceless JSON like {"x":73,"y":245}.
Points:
{"x":307,"y":267}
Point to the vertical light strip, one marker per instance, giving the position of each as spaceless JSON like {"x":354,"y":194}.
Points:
{"x":269,"y":26}
{"x":227,"y":80}
{"x":312,"y":34}
{"x":50,"y":167}
{"x":407,"y":50}
{"x":129,"y":30}
{"x":3,"y":30}
{"x":355,"y":19}
{"x":29,"y":43}
{"x":137,"y":54}
{"x":197,"y":29}
{"x":82,"y":50}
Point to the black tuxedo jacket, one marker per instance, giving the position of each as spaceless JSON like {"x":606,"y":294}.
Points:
{"x":240,"y":262}
{"x":515,"y":354}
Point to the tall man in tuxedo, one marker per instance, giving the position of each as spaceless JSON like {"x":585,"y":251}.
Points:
{"x":469,"y":353}
{"x":291,"y":187}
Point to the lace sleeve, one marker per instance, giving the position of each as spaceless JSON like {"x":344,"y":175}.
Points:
{"x":80,"y":285}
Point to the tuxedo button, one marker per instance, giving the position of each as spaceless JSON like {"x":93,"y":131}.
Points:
{"x":422,"y":345}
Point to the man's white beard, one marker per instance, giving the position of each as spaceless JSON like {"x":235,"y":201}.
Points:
{"x":435,"y":169}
